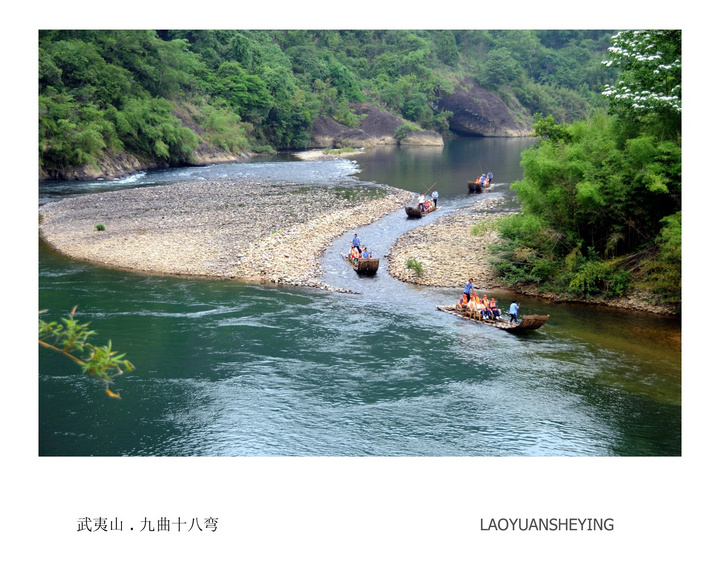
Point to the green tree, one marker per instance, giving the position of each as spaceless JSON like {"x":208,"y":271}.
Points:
{"x":499,"y":68}
{"x":663,"y":269}
{"x":446,"y":47}
{"x":648,"y":88}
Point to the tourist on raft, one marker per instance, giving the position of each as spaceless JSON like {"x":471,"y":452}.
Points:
{"x":494,"y":309}
{"x":435,"y":197}
{"x":366,"y":253}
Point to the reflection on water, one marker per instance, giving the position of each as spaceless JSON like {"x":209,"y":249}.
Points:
{"x":229,"y":369}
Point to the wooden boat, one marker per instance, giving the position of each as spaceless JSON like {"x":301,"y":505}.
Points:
{"x":363,"y":266}
{"x":415,"y":212}
{"x":528,"y":322}
{"x":475,"y":188}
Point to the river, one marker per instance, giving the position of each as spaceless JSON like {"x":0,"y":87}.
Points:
{"x":225,"y":368}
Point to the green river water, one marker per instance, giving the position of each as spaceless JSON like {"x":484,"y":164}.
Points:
{"x":231,"y":369}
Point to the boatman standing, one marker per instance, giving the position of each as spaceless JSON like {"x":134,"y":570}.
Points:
{"x":489,"y":177}
{"x":435,"y":197}
{"x":513,"y":311}
{"x":468,"y":289}
{"x":356,"y":242}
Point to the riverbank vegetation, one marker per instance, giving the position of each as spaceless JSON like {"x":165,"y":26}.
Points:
{"x":161,"y":95}
{"x":601,"y":197}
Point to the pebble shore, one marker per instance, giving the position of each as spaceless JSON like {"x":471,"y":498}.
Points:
{"x":448,"y":251}
{"x":239,"y":229}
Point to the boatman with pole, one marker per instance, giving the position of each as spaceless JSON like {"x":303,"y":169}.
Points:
{"x":468,"y":289}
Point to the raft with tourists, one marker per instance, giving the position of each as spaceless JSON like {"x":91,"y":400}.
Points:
{"x":476,"y":187}
{"x":424,"y":205}
{"x":415,"y":212}
{"x":363,"y":266}
{"x":480,"y":184}
{"x":361,"y":259}
{"x":528,"y":322}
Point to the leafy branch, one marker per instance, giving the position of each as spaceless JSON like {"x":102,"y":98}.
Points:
{"x":71,"y":339}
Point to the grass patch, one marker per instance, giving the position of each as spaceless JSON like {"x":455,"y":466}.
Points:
{"x":415,"y":265}
{"x":482,"y":227}
{"x":338,"y":150}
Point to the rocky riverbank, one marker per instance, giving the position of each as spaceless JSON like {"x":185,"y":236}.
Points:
{"x":223,"y":229}
{"x":448,"y":251}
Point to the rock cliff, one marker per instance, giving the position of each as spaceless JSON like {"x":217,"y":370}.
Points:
{"x":377,"y":128}
{"x":477,"y":112}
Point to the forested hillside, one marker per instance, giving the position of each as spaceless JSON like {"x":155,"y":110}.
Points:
{"x":157,"y":97}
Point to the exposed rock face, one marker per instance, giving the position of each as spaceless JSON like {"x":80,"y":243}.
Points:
{"x":378,"y":124}
{"x":121,"y":165}
{"x":324,"y":132}
{"x":377,"y":128}
{"x":205,"y":155}
{"x":477,"y":112}
{"x":111,"y":166}
{"x":422,"y":138}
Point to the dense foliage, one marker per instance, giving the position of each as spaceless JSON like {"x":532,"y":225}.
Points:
{"x":141,"y":91}
{"x":601,"y":197}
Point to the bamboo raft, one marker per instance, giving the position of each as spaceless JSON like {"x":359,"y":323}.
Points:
{"x":363,"y":266}
{"x":528,"y":322}
{"x":474,"y":187}
{"x":414,"y":212}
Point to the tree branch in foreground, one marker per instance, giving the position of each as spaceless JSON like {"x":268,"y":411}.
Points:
{"x":70,"y":338}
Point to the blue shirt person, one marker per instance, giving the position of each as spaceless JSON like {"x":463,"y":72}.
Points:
{"x":468,"y":288}
{"x":513,"y":311}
